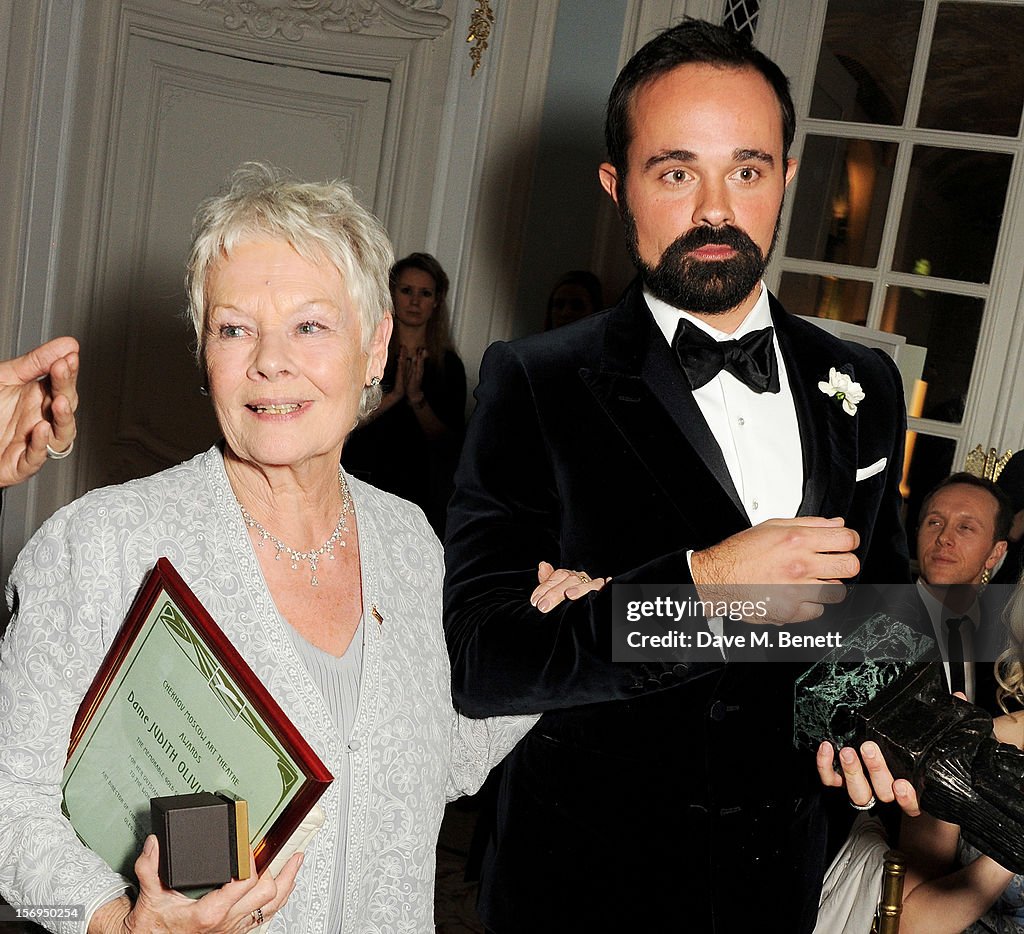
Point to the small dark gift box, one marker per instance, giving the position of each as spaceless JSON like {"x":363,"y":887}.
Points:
{"x":196,"y":836}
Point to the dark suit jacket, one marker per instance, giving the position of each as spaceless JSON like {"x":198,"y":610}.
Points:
{"x":645,"y":799}
{"x":989,"y":641}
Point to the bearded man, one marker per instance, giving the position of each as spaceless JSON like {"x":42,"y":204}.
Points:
{"x":693,"y":433}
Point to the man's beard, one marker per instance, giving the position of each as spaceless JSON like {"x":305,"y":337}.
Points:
{"x":702,"y":286}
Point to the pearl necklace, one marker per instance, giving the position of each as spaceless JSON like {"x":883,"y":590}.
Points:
{"x":313,"y":557}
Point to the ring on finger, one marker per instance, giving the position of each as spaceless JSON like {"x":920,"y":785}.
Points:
{"x":257,"y":916}
{"x":865,"y":807}
{"x":583,"y":576}
{"x":59,"y":455}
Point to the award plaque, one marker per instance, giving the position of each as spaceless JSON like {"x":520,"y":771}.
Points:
{"x":175,"y":710}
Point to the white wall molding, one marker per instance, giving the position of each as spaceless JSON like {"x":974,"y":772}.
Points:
{"x":295,"y":21}
{"x":502,"y":177}
{"x":40,"y":191}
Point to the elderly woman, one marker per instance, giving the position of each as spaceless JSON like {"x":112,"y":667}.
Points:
{"x":287,"y":286}
{"x":409,"y":445}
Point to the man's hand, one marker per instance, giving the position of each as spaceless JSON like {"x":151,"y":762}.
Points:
{"x":38,"y":398}
{"x":811,"y":555}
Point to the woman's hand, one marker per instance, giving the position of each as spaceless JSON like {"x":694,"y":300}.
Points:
{"x":414,"y":376}
{"x":234,"y":908}
{"x":556,"y":585}
{"x":396,"y":393}
{"x":38,"y":398}
{"x":862,"y":787}
{"x":398,"y":389}
{"x":877,"y":783}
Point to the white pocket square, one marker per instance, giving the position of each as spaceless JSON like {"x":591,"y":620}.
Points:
{"x":877,"y":467}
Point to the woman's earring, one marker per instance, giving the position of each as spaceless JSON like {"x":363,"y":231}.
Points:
{"x":204,"y":390}
{"x":374,"y":381}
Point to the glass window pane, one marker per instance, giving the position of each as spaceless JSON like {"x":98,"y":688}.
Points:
{"x":947,"y":327}
{"x":867,"y":53}
{"x":952,"y":211}
{"x":842,"y":190}
{"x":928,"y":460}
{"x":974,"y":81}
{"x":825,"y":297}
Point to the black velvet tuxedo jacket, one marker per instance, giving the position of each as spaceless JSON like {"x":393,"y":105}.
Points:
{"x":644,"y":800}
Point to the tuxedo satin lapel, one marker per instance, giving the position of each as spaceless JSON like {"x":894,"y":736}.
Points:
{"x":828,"y":435}
{"x":640,"y":387}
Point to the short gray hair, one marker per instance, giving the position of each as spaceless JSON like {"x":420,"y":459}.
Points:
{"x":318,"y":219}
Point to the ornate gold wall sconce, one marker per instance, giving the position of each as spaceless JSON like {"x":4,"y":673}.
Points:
{"x":480,"y":26}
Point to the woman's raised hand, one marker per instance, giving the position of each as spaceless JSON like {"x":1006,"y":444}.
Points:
{"x":414,"y":375}
{"x":558,"y":584}
{"x":38,"y":398}
{"x":398,"y":389}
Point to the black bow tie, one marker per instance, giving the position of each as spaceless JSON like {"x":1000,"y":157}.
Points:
{"x":750,"y":359}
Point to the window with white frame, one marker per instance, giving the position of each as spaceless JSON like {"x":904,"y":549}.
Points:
{"x":910,"y":146}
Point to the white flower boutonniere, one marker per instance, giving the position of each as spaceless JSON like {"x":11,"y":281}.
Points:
{"x":844,"y":389}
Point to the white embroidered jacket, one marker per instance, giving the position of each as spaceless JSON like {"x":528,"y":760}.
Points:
{"x":73,"y":585}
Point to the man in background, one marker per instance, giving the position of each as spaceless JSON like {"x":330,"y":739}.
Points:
{"x":962,"y":535}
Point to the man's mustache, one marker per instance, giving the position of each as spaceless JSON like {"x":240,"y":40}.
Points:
{"x":699,"y":237}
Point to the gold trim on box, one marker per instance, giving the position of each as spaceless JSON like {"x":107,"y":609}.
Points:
{"x":988,"y":464}
{"x":480,"y":26}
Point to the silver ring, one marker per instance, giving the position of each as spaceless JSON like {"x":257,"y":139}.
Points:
{"x":257,"y":916}
{"x":59,"y":455}
{"x":865,"y":807}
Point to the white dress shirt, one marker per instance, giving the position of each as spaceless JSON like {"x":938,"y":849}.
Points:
{"x":757,"y":432}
